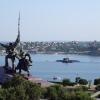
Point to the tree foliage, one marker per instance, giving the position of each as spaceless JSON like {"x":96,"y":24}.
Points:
{"x":97,"y":81}
{"x":97,"y":87}
{"x":67,"y":82}
{"x":21,"y":89}
{"x":83,"y":81}
{"x":60,"y":93}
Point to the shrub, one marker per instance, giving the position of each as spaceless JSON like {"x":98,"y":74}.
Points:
{"x":98,"y":96}
{"x":82,"y":96}
{"x":83,"y":81}
{"x":20,"y":89}
{"x":81,"y":88}
{"x":51,"y":93}
{"x":77,"y":79}
{"x":97,"y":81}
{"x":67,"y":82}
{"x":97,"y":87}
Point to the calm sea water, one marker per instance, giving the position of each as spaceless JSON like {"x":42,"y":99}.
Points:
{"x":46,"y":67}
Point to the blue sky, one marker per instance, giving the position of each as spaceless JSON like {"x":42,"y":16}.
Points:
{"x":50,"y":20}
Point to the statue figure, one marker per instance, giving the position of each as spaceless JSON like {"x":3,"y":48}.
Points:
{"x":10,"y":50}
{"x":24,"y":63}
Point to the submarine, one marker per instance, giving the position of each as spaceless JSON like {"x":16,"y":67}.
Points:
{"x":67,"y":60}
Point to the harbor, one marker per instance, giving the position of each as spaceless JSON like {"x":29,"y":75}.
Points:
{"x":46,"y":67}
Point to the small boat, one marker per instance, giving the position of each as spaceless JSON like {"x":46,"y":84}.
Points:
{"x":67,"y":60}
{"x":56,"y":78}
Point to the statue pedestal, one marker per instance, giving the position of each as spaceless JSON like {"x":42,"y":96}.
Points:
{"x":4,"y":76}
{"x":9,"y":70}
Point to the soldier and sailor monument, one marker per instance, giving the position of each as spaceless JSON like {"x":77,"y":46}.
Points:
{"x":12,"y":54}
{"x":24,"y":62}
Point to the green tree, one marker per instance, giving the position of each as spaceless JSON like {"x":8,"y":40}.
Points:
{"x":21,"y":89}
{"x":66,"y":82}
{"x":83,"y":81}
{"x":97,"y":81}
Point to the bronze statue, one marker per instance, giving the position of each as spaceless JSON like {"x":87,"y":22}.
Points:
{"x":24,"y":63}
{"x":10,"y":50}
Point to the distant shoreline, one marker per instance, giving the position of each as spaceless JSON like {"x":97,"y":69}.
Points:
{"x":58,"y":53}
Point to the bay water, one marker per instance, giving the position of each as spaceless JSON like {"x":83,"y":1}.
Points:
{"x":46,"y":67}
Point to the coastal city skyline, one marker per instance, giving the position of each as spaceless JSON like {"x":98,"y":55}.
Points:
{"x":51,"y":20}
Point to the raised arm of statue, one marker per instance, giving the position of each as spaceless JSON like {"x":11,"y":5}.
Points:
{"x":4,"y":45}
{"x":17,"y":41}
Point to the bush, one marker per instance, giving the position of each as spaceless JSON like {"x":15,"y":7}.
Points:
{"x":66,"y":82}
{"x":97,"y":81}
{"x":55,"y":93}
{"x":82,"y":96}
{"x":98,"y":96}
{"x":83,"y":81}
{"x":81,"y":88}
{"x":52,"y":93}
{"x":20,"y":89}
{"x":97,"y":87}
{"x":77,"y":79}
{"x":59,"y":93}
{"x":43,"y":93}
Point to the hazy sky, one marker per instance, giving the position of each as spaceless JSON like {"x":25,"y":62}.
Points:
{"x":48,"y":20}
